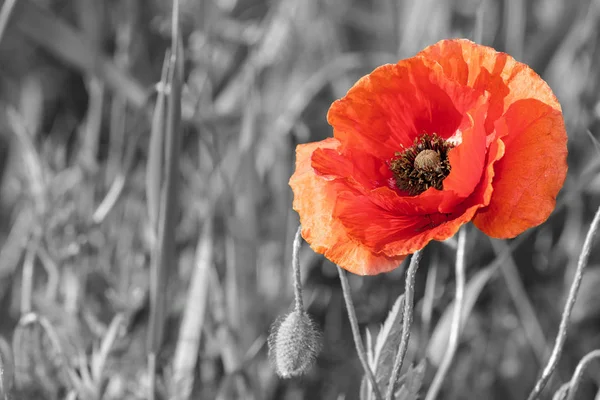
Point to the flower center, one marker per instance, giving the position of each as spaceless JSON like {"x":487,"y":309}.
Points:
{"x":427,"y":160}
{"x":423,"y":165}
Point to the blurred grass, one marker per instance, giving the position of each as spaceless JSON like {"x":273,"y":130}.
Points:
{"x":77,"y":236}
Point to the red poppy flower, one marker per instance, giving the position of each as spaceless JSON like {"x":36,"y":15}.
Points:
{"x":458,"y":133}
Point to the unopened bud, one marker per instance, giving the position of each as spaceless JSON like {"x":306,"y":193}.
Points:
{"x":294,"y":344}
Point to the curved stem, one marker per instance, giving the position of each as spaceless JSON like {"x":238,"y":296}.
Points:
{"x":296,"y":266}
{"x":564,"y":322}
{"x":574,"y":384}
{"x":360,"y":349}
{"x":440,"y":375}
{"x":409,"y":294}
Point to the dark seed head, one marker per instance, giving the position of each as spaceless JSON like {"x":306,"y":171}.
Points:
{"x":423,"y":165}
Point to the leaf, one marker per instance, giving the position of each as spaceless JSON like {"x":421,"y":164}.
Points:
{"x":410,"y":383}
{"x":414,"y":380}
{"x":439,"y":338}
{"x":387,"y":343}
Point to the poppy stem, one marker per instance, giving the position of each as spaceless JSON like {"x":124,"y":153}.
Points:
{"x":564,"y":322}
{"x":409,"y":294}
{"x":455,"y":327}
{"x":573,"y":385}
{"x":299,"y":306}
{"x":360,"y":349}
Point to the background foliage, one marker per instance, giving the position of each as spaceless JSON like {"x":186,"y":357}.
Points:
{"x":77,"y":90}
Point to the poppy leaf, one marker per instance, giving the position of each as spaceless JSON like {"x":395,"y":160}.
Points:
{"x":387,"y":342}
{"x":411,"y":381}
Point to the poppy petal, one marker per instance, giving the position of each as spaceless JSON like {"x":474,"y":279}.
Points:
{"x":483,"y":192}
{"x":314,"y":200}
{"x":467,"y":161}
{"x":388,"y":232}
{"x":529,"y":176}
{"x":482,"y":67}
{"x":369,"y":176}
{"x":387,"y":109}
{"x":362,"y":170}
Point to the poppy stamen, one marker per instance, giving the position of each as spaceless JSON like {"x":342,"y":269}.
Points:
{"x":423,"y":165}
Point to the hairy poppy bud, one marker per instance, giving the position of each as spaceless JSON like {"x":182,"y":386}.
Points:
{"x":294,"y":344}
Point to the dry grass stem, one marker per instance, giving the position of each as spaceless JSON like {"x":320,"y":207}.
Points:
{"x":455,"y":327}
{"x":36,"y":169}
{"x":111,"y":198}
{"x":573,"y":385}
{"x":190,"y":331}
{"x":5,"y":14}
{"x":164,"y":256}
{"x":98,"y":362}
{"x":564,"y":322}
{"x":27,"y":277}
{"x":7,"y":369}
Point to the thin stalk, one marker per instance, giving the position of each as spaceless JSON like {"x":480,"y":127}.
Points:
{"x":7,"y":369}
{"x":299,"y":303}
{"x":99,"y":357}
{"x":27,"y":280}
{"x":564,"y":322}
{"x":360,"y":348}
{"x":409,"y":295}
{"x":5,"y":14}
{"x":190,"y":330}
{"x":164,"y":255}
{"x":574,"y":384}
{"x":441,"y":373}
